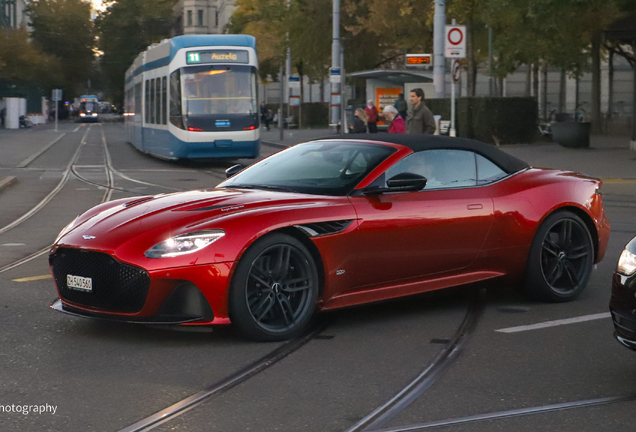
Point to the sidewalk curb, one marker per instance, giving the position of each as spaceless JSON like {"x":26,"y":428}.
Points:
{"x":36,"y":155}
{"x":6,"y":182}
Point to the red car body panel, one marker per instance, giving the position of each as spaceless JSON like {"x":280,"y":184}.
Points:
{"x":397,"y":244}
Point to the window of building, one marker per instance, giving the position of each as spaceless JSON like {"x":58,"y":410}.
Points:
{"x":216,"y":18}
{"x":189,"y":18}
{"x":200,"y":17}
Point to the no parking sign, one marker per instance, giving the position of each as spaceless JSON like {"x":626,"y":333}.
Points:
{"x":455,"y":46}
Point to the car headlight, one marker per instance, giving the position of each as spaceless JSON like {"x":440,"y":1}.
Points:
{"x":626,"y":263}
{"x":184,"y":244}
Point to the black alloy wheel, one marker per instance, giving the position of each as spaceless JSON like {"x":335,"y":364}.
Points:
{"x":274,"y":289}
{"x":560,"y":259}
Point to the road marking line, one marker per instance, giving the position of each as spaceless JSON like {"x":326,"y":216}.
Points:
{"x":13,"y":244}
{"x":33,"y":278}
{"x":77,"y":128}
{"x":555,"y":323}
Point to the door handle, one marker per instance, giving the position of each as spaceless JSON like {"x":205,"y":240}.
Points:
{"x":474,"y":206}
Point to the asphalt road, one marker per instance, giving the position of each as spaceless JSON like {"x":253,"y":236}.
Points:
{"x":107,"y":377}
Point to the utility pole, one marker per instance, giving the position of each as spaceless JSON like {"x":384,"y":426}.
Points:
{"x":336,"y":101}
{"x":490,"y":86}
{"x":439,"y":36}
{"x":282,"y":99}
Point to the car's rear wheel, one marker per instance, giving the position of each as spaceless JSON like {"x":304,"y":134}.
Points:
{"x":274,"y":289}
{"x":560,"y":259}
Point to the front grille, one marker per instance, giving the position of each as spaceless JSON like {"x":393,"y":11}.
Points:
{"x":117,"y":287}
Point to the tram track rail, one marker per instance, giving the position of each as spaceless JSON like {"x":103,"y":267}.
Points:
{"x":227,"y":383}
{"x":444,"y":359}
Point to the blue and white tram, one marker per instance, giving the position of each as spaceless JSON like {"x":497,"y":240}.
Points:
{"x":195,"y":97}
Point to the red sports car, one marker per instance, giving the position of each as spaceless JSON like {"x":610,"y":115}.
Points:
{"x":328,"y":224}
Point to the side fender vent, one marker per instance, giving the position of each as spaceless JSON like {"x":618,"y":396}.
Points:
{"x":324,"y":228}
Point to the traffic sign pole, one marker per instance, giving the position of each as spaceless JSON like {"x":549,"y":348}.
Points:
{"x":455,"y":74}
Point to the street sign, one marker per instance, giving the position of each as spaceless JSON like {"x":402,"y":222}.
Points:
{"x":456,"y":70}
{"x":294,"y":81}
{"x":294,"y":101}
{"x":455,"y":42}
{"x":57,"y":95}
{"x":418,"y":59}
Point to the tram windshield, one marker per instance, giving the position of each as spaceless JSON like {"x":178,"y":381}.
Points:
{"x":215,"y":89}
{"x":88,"y":107}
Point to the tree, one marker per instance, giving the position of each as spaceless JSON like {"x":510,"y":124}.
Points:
{"x":126,"y":28}
{"x":63,"y":29}
{"x":21,"y":63}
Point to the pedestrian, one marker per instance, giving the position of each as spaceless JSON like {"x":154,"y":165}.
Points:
{"x":360,"y":122}
{"x":401,"y":106}
{"x":420,"y":119}
{"x":264,"y":118}
{"x":3,"y":113}
{"x":372,"y":113}
{"x":396,"y":121}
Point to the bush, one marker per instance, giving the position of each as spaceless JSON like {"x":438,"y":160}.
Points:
{"x":498,"y":120}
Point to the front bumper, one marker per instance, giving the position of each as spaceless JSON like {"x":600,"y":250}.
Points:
{"x":190,"y":295}
{"x":623,"y":309}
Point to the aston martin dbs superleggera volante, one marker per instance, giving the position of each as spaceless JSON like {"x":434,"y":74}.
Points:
{"x":328,"y":224}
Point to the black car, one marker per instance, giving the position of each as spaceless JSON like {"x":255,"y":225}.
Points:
{"x":623,"y":301}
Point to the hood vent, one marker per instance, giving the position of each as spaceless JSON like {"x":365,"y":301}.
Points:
{"x":139,"y":201}
{"x":324,"y":228}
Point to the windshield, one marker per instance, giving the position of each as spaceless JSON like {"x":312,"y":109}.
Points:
{"x":322,"y":168}
{"x":88,"y":107}
{"x":214,"y":89}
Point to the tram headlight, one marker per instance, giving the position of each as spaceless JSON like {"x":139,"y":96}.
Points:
{"x":184,"y":244}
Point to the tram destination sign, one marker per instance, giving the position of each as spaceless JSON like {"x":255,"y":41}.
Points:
{"x":217,"y":56}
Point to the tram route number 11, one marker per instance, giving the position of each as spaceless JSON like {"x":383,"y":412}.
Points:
{"x":194,"y":57}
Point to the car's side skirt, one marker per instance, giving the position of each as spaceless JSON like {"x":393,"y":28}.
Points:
{"x":389,"y":292}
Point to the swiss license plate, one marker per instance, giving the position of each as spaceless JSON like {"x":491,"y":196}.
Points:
{"x":79,"y":283}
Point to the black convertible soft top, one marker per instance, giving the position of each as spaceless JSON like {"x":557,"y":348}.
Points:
{"x":418,"y":143}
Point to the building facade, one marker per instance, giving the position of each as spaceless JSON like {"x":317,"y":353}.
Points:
{"x":203,"y":16}
{"x":12,"y":13}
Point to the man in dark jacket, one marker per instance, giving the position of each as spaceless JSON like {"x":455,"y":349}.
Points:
{"x":420,"y":119}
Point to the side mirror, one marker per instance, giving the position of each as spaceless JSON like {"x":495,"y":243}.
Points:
{"x":233,"y":170}
{"x":406,"y":182}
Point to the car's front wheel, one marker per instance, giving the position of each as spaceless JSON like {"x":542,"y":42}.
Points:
{"x":560,"y":259}
{"x":274,"y":289}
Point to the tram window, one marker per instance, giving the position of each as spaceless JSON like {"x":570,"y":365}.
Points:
{"x":176,"y":115}
{"x":138,"y":98}
{"x":147,"y":103}
{"x":158,"y":101}
{"x":152,"y":101}
{"x":164,"y":91}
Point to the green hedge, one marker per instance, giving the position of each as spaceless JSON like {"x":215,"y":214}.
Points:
{"x":498,"y":120}
{"x":315,"y":114}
